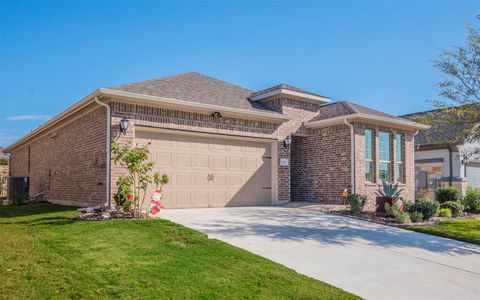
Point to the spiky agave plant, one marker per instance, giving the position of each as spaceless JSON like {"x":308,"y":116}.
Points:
{"x":389,"y":190}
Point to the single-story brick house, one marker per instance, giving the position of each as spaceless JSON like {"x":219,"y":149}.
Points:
{"x":221,"y":145}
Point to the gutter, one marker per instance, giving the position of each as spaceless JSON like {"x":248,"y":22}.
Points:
{"x":255,"y":115}
{"x":108,"y":150}
{"x":369,"y":118}
{"x":352,"y":158}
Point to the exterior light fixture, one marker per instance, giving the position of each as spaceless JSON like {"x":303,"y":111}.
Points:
{"x":124,"y":125}
{"x":216,"y":115}
{"x":287,"y":141}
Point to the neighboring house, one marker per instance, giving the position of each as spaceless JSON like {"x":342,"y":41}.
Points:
{"x":221,"y":145}
{"x":444,"y":158}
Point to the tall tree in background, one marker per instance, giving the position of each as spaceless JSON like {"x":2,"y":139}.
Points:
{"x":459,"y":90}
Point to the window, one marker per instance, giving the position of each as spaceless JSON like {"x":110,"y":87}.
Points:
{"x":399,"y":158}
{"x":384,"y":161}
{"x":368,"y":155}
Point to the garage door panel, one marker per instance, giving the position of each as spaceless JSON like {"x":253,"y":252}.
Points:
{"x":219,"y":162}
{"x":209,"y":171}
{"x":201,"y":161}
{"x":183,"y":160}
{"x":183,"y":179}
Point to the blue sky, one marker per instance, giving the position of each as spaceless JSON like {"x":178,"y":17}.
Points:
{"x":375,"y":53}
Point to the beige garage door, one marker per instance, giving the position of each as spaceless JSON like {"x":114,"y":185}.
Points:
{"x":208,"y":171}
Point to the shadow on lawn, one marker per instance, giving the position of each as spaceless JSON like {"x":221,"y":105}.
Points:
{"x":14,"y":211}
{"x":297,"y":225}
{"x":43,"y":221}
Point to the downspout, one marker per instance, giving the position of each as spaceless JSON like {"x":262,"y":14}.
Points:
{"x":450,"y":163}
{"x":108,"y":163}
{"x":352,"y":158}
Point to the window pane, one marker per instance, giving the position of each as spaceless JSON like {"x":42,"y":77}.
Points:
{"x":368,"y":144}
{"x":398,"y":147}
{"x":384,"y":146}
{"x":369,"y":171}
{"x":399,"y":172}
{"x":384,"y":171}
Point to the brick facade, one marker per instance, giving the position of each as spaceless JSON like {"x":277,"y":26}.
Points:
{"x":73,"y":154}
{"x":321,"y":164}
{"x":319,"y":159}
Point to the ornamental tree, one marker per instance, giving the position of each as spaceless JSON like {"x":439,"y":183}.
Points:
{"x":132,"y":188}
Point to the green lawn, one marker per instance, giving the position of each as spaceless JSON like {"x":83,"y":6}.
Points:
{"x":462,"y":230}
{"x":45,"y":254}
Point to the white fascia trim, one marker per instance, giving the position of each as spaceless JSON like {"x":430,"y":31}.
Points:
{"x":55,"y":120}
{"x":368,"y":118}
{"x":291,"y":93}
{"x":197,"y":106}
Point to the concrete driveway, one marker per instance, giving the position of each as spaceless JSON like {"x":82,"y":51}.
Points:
{"x":367,"y":259}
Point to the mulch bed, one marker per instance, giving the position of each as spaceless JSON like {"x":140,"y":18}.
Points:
{"x":99,"y":215}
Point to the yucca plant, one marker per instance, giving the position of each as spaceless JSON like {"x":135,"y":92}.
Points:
{"x":388,"y":190}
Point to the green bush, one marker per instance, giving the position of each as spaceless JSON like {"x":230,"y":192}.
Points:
{"x":123,"y":197}
{"x":3,"y":161}
{"x":445,"y":212}
{"x":416,"y":216}
{"x":429,"y":208}
{"x":393,"y":209}
{"x":472,"y":200}
{"x":455,"y":207}
{"x":445,"y":194}
{"x":402,"y":218}
{"x":357,"y":202}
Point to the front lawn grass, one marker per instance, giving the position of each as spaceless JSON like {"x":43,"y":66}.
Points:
{"x":462,"y":230}
{"x":45,"y":254}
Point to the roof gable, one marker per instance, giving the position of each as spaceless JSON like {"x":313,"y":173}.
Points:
{"x":344,"y":108}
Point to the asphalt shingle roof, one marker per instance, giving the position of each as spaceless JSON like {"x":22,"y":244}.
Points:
{"x":198,"y":88}
{"x":439,"y":134}
{"x":286,"y":87}
{"x":343,"y":108}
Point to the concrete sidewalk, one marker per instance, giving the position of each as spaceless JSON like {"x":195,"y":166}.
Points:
{"x":367,"y":259}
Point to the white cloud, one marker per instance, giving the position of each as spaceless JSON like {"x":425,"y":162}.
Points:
{"x":27,"y":117}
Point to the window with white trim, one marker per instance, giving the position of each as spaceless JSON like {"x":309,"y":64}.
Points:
{"x":384,"y":159}
{"x":369,"y":155}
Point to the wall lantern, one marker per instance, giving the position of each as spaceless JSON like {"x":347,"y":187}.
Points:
{"x":465,"y":163}
{"x":216,"y":115}
{"x":287,"y":141}
{"x":124,"y":125}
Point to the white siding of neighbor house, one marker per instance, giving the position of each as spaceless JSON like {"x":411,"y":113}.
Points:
{"x":473,"y":176}
{"x":442,"y":153}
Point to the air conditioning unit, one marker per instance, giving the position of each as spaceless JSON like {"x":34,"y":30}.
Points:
{"x":18,"y":189}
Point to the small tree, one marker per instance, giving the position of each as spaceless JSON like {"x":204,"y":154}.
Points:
{"x":133,"y":187}
{"x":459,"y":92}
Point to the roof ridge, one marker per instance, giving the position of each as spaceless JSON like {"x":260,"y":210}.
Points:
{"x":153,"y":79}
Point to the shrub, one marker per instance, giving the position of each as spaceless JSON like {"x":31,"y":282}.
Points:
{"x":4,"y":161}
{"x":445,"y":194}
{"x":388,"y":190}
{"x":416,"y":216}
{"x":429,"y":208}
{"x":402,"y":218}
{"x":393,"y":209}
{"x":124,"y":195}
{"x":472,"y":200}
{"x":445,"y":212}
{"x":357,"y":202}
{"x":455,"y":207}
{"x":407,"y":205}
